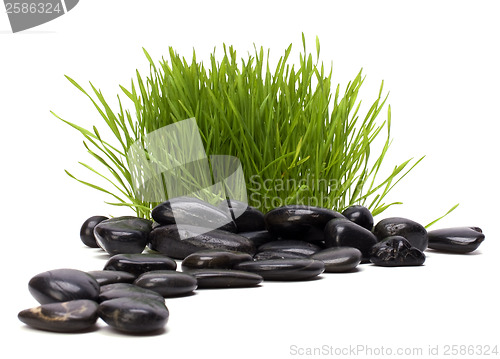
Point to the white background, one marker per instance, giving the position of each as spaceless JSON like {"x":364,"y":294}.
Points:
{"x":440,"y":62}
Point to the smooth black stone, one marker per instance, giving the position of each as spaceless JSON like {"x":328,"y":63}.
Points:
{"x":123,"y":234}
{"x":396,"y":251}
{"x":63,"y":285}
{"x":359,"y":215}
{"x":339,"y":259}
{"x":214,"y":259}
{"x":258,"y":238}
{"x":456,"y":240}
{"x":104,"y":277}
{"x":344,"y":233}
{"x":140,"y":263}
{"x":414,"y":232}
{"x":225,"y":278}
{"x":179,"y":243}
{"x":122,"y":290}
{"x":247,"y":218}
{"x":167,"y":283}
{"x":284,"y":269}
{"x":291,"y":246}
{"x":299,"y":222}
{"x":194,"y":212}
{"x":62,"y":317}
{"x":87,"y":231}
{"x":260,"y":256}
{"x":134,"y":314}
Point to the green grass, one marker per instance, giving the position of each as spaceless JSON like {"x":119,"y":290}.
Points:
{"x":299,"y":137}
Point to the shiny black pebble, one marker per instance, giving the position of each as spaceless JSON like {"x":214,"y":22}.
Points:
{"x":214,"y":259}
{"x":64,"y":317}
{"x":396,"y":251}
{"x":258,"y":238}
{"x":344,"y":233}
{"x":260,"y":256}
{"x":224,"y":278}
{"x":104,"y":277}
{"x":122,"y":290}
{"x":134,"y":314}
{"x":339,"y":259}
{"x":291,"y":246}
{"x":456,"y":240}
{"x":284,"y":269}
{"x":414,"y":232}
{"x":140,"y":263}
{"x":180,"y":242}
{"x":123,"y":234}
{"x":167,"y":283}
{"x":195,"y":212}
{"x":359,"y":215}
{"x":245,"y":217}
{"x":87,"y":231}
{"x":62,"y":285}
{"x":299,"y":222}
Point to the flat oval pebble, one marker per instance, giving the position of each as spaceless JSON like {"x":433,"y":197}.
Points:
{"x":123,"y":234}
{"x":62,"y":285}
{"x":291,"y":246}
{"x":167,"y":283}
{"x":414,"y":232}
{"x":65,"y":317}
{"x":140,"y":263}
{"x":456,"y":240}
{"x":87,"y":231}
{"x":214,"y":259}
{"x":180,"y":242}
{"x":195,"y":212}
{"x":225,"y":278}
{"x":122,"y":290}
{"x":134,"y":314}
{"x":284,"y":269}
{"x":344,"y":233}
{"x":104,"y":277}
{"x":359,"y":215}
{"x":260,"y":256}
{"x":246,"y":218}
{"x":258,"y":238}
{"x":339,"y":259}
{"x":396,"y":251}
{"x":299,"y":222}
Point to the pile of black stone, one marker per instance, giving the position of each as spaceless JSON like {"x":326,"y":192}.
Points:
{"x":289,"y":243}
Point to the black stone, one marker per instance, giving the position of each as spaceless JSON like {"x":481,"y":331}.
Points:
{"x":225,"y":278}
{"x":140,"y":263}
{"x":414,"y":232}
{"x":180,"y":242}
{"x":195,"y":212}
{"x":246,"y":218}
{"x":62,"y":285}
{"x":123,"y":234}
{"x":65,"y":317}
{"x":122,"y":290}
{"x":214,"y":259}
{"x":339,"y":259}
{"x":344,"y":233}
{"x":456,"y":240}
{"x":87,"y":231}
{"x":284,"y":269}
{"x":258,"y":238}
{"x":396,"y":251}
{"x":167,"y":283}
{"x":359,"y":215}
{"x":134,"y":314}
{"x":291,"y":246}
{"x":299,"y":222}
{"x":104,"y":277}
{"x":260,"y":256}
